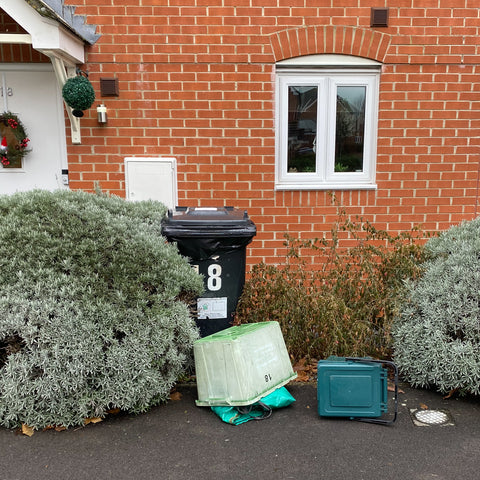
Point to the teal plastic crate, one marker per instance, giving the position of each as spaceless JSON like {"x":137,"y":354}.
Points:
{"x":355,"y":388}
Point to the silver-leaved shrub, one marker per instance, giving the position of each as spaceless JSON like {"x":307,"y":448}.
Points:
{"x":437,"y":335}
{"x":93,"y":308}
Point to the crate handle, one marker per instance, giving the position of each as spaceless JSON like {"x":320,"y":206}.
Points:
{"x":394,"y":367}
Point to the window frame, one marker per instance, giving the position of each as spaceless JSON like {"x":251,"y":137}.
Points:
{"x":327,"y":77}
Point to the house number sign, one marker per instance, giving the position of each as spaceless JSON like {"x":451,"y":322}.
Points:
{"x":5,"y":91}
{"x":8,"y":89}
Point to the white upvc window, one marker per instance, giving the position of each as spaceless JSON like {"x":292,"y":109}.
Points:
{"x":326,"y":124}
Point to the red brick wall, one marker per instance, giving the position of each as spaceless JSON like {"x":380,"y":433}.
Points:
{"x":197,"y":83}
{"x":16,"y":53}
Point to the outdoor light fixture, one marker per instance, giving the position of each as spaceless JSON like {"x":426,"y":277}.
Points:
{"x":102,"y":114}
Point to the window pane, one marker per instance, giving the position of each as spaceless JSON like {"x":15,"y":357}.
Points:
{"x":350,"y":129}
{"x":302,"y":128}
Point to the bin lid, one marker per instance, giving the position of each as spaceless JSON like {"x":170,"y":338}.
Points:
{"x":217,"y":221}
{"x":209,"y":215}
{"x":203,"y":232}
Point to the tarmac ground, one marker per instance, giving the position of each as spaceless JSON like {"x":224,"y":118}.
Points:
{"x":179,"y":440}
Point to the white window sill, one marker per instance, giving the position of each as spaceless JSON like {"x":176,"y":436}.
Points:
{"x":325,"y":186}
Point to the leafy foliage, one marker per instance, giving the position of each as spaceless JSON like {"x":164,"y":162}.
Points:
{"x":78,"y":93}
{"x":437,"y":334}
{"x":341,"y":302}
{"x":93,"y":308}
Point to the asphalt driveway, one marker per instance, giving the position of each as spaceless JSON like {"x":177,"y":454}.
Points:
{"x":180,"y":441}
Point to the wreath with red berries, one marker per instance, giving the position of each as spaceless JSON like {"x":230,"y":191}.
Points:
{"x":13,"y":140}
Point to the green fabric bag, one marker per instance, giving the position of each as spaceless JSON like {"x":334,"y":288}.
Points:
{"x":258,"y":411}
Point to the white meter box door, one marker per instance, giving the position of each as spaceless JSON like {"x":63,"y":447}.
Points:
{"x":151,"y":179}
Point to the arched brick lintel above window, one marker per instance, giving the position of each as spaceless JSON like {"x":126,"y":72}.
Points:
{"x":340,"y":40}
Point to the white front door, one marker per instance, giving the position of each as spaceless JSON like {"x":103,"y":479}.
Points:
{"x":31,"y":92}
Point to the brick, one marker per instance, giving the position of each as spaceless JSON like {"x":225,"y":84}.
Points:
{"x":196,"y":83}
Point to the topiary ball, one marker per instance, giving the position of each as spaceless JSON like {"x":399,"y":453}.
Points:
{"x":79,"y":94}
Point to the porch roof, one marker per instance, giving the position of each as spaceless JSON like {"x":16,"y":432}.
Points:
{"x":52,"y":28}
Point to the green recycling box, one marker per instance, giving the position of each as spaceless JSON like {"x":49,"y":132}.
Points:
{"x":354,"y":388}
{"x":241,"y":364}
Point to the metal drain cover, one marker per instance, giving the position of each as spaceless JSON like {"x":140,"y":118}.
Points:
{"x":424,"y":418}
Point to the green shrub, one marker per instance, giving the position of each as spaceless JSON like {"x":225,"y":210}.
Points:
{"x":93,"y":308}
{"x":437,"y":334}
{"x":334,"y":300}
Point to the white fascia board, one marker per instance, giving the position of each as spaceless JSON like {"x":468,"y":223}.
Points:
{"x":18,"y":38}
{"x":62,"y":43}
{"x":46,"y":34}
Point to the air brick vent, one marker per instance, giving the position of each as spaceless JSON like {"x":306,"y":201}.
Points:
{"x":379,"y":17}
{"x":109,"y":87}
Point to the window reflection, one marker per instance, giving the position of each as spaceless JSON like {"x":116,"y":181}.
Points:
{"x":302,"y":128}
{"x":350,"y":128}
